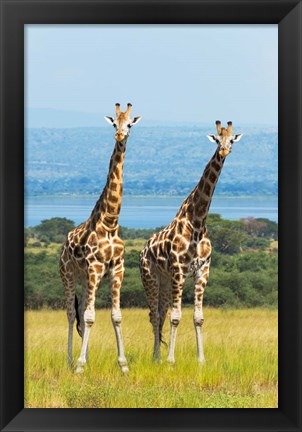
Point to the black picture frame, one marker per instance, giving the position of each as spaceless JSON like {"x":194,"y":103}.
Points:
{"x":14,"y":15}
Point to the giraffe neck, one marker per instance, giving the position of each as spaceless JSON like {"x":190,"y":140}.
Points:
{"x":196,"y":206}
{"x":107,"y":209}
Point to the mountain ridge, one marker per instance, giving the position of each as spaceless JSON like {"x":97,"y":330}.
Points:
{"x":164,"y":160}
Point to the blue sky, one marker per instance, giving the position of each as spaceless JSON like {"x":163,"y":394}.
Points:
{"x":170,"y":73}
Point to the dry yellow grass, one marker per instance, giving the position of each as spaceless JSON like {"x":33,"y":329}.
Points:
{"x":241,"y":368}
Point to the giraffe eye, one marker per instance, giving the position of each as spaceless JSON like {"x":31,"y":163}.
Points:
{"x":217,"y":141}
{"x":231,"y":141}
{"x":114,"y":125}
{"x":129,"y":126}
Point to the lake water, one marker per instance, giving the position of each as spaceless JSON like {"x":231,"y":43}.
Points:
{"x":146,"y":212}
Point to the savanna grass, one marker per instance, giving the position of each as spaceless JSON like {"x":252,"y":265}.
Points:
{"x":241,"y":368}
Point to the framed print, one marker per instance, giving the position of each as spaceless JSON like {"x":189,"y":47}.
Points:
{"x":177,"y":68}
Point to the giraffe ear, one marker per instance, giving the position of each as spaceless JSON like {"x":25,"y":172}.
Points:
{"x":135,"y":120}
{"x":212,"y":138}
{"x":237,"y":137}
{"x":110,"y":120}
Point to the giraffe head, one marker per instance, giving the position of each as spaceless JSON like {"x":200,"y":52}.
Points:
{"x":122,"y":122}
{"x":224,"y":138}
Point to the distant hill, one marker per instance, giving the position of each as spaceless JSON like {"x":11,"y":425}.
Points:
{"x":160,"y":160}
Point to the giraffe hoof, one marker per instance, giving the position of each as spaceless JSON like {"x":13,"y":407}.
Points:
{"x":125,"y":370}
{"x":171,"y":360}
{"x":80,"y":369}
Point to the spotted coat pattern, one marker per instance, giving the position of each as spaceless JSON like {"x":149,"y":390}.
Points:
{"x":94,"y":250}
{"x":179,"y":251}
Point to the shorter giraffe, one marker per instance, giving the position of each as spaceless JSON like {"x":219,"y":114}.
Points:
{"x":94,"y":250}
{"x":183,"y":249}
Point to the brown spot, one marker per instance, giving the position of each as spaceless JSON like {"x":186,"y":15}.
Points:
{"x":190,"y":210}
{"x":182,"y":246}
{"x":201,"y":184}
{"x":110,"y":220}
{"x":77,"y":251}
{"x":84,"y":237}
{"x":197,"y":225}
{"x":113,"y":198}
{"x":118,"y":251}
{"x":201,"y":208}
{"x":92,"y":278}
{"x":180,"y":227}
{"x":92,"y":241}
{"x":113,"y":186}
{"x":216,"y":166}
{"x":207,"y":189}
{"x":207,"y":171}
{"x":118,"y":241}
{"x":101,"y":233}
{"x":108,"y":253}
{"x":192,"y":249}
{"x":118,"y":174}
{"x":161,"y":248}
{"x":197,"y":195}
{"x":95,"y":219}
{"x":212,"y":177}
{"x":117,"y":158}
{"x":82,"y":262}
{"x":205,"y":247}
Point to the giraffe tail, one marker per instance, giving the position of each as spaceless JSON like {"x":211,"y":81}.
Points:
{"x":76,"y":306}
{"x":161,"y":339}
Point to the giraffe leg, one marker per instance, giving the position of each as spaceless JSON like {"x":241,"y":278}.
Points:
{"x":71,"y":313}
{"x":85,"y":289}
{"x":94,"y":278}
{"x":201,"y":280}
{"x":177,"y":288}
{"x":151,"y":286}
{"x":116,"y":279}
{"x":163,"y":306}
{"x":68,"y":277}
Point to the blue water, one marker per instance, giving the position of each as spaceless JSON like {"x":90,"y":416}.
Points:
{"x":146,"y":212}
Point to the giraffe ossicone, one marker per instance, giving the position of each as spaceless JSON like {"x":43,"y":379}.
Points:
{"x":94,"y":250}
{"x":182,"y":250}
{"x":122,"y":122}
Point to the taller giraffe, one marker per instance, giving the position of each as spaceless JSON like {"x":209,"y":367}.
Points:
{"x":94,"y":250}
{"x":183,"y":249}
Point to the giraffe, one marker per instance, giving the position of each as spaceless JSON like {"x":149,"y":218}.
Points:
{"x":181,"y":250}
{"x":94,"y":250}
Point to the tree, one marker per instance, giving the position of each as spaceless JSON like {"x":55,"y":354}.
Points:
{"x":226,"y":236}
{"x":54,"y":229}
{"x":260,"y":227}
{"x":253,"y":226}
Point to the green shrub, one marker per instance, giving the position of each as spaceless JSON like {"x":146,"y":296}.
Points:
{"x":236,"y":279}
